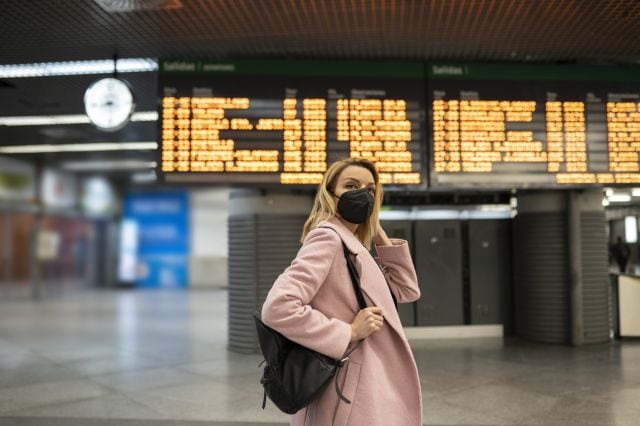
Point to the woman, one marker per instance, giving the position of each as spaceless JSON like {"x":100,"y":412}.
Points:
{"x":313,"y":304}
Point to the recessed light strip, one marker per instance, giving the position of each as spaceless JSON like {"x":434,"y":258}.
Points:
{"x":145,"y":116}
{"x":107,"y":165}
{"x":53,"y":120}
{"x":620,"y":198}
{"x":79,"y":147}
{"x":100,"y":66}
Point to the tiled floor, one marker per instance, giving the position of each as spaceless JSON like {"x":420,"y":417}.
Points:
{"x":159,"y":358}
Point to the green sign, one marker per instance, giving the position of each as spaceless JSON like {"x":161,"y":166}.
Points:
{"x":303,"y":68}
{"x":531,"y":72}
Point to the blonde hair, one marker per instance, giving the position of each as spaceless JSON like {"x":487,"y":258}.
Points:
{"x":325,"y":205}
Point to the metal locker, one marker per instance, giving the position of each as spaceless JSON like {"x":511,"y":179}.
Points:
{"x":490,"y":272}
{"x":438,"y":258}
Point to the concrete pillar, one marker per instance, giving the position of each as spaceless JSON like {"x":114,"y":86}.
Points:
{"x":561,"y":272}
{"x":575,"y":268}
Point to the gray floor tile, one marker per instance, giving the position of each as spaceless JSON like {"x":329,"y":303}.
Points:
{"x":228,"y":364}
{"x":553,"y":383}
{"x":205,"y":401}
{"x":104,"y":407}
{"x":66,"y":421}
{"x":582,"y":419}
{"x":439,"y":412}
{"x":138,"y":358}
{"x":18,"y":398}
{"x":33,"y":373}
{"x":436,"y":383}
{"x":505,"y":402}
{"x":111,"y":364}
{"x":77,"y":351}
{"x":153,"y":378}
{"x":619,"y":400}
{"x":9,"y":349}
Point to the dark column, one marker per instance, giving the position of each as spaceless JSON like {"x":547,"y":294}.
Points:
{"x":560,"y":252}
{"x":264,"y":237}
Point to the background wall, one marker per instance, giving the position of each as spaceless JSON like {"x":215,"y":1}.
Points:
{"x":209,"y":248}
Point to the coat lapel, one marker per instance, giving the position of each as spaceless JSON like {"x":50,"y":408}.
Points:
{"x":372,"y":280}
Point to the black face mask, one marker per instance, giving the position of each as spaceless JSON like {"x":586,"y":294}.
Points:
{"x":356,"y":206}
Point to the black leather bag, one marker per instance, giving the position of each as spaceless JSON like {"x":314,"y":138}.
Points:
{"x":295,"y":375}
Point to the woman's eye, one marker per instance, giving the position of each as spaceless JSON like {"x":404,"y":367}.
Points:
{"x":350,"y":186}
{"x":372,"y":191}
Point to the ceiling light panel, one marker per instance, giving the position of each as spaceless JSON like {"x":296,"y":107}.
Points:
{"x":107,"y":165}
{"x":620,"y":198}
{"x":53,"y":120}
{"x":102,"y":66}
{"x":79,"y":147}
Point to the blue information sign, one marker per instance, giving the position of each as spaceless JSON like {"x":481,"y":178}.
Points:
{"x":162,"y":220}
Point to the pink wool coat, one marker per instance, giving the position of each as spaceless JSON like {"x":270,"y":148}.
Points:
{"x":313,"y":303}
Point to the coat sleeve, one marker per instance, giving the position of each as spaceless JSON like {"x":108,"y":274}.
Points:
{"x":396,"y":264}
{"x":287,"y":307}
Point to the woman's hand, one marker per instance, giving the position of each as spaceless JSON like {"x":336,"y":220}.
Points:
{"x":368,"y":321}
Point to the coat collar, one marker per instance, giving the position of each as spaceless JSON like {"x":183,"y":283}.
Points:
{"x":350,"y":240}
{"x":367,"y":268}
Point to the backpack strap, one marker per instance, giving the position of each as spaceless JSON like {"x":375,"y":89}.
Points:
{"x":383,"y":270}
{"x":353,"y":272}
{"x":355,"y":281}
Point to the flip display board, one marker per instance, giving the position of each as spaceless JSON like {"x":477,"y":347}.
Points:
{"x":533,"y":126}
{"x":279,"y":122}
{"x":464,"y":126}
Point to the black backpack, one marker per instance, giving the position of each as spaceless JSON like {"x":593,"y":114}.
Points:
{"x":295,"y":375}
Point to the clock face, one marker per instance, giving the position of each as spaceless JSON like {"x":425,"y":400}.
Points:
{"x":109,"y":103}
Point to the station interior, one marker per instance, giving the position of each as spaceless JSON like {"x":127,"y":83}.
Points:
{"x":159,"y":159}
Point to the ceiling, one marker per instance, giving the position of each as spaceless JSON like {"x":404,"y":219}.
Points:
{"x":485,"y":30}
{"x":549,"y":31}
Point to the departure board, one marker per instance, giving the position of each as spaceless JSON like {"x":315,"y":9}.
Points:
{"x":269,"y":122}
{"x":537,"y":126}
